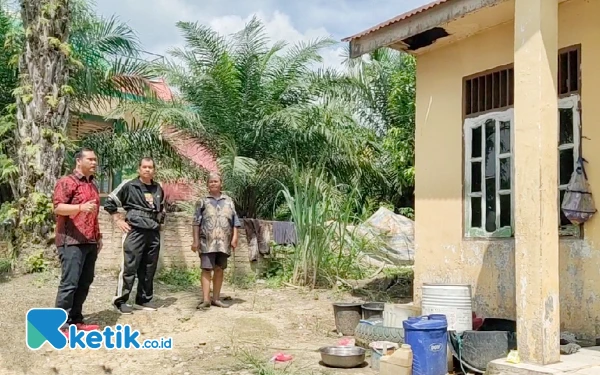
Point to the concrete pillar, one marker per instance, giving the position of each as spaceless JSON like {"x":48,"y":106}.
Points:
{"x":536,"y":180}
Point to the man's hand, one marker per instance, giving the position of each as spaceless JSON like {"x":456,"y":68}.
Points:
{"x":88,"y":206}
{"x":234,"y":243}
{"x":195,"y":246}
{"x":122,"y":224}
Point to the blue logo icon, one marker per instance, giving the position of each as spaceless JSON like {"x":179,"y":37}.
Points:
{"x":44,"y":325}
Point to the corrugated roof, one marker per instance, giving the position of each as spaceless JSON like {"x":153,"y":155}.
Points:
{"x":399,"y":18}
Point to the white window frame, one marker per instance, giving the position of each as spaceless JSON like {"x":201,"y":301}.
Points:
{"x":569,"y":102}
{"x":471,"y":123}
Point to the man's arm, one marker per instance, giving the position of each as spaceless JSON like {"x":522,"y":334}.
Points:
{"x":63,"y":192}
{"x":196,"y":224}
{"x":115,"y":200}
{"x":236,"y":224}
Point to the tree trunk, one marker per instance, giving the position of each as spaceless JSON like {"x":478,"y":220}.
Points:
{"x":42,"y":110}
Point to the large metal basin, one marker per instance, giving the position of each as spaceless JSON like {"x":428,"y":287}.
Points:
{"x":342,"y":356}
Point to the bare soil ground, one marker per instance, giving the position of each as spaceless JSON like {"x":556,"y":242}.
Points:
{"x":260,"y":323}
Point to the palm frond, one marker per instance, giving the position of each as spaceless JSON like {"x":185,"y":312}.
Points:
{"x":206,"y":45}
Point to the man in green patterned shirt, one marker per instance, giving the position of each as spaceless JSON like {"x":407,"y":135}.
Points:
{"x":215,"y":227}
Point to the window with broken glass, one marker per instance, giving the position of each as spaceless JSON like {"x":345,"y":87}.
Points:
{"x":568,"y":155}
{"x":488,"y":139}
{"x":488,"y":171}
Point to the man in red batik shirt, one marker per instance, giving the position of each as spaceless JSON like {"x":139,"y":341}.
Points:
{"x":78,"y":238}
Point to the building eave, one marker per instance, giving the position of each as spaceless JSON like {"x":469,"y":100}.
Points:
{"x":416,"y":29}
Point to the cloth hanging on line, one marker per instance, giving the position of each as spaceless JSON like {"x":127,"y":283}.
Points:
{"x":284,"y":233}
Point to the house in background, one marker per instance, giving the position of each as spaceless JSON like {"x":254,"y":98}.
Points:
{"x":506,"y":105}
{"x":82,"y":124}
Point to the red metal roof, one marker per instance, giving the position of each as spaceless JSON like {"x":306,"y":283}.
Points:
{"x":190,"y":148}
{"x":399,"y":18}
{"x":186,"y":145}
{"x":162,"y":90}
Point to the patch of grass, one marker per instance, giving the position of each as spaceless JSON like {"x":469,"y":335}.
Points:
{"x":246,"y":281}
{"x":257,"y":365}
{"x":406,"y":273}
{"x":180,"y":277}
{"x":395,"y":284}
{"x":36,"y":263}
{"x":5,"y":266}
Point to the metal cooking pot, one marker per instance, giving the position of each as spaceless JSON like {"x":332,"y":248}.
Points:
{"x":342,"y":356}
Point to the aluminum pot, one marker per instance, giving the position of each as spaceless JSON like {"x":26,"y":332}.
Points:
{"x":342,"y":356}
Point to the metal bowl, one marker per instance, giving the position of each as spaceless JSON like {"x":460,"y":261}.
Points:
{"x":342,"y":356}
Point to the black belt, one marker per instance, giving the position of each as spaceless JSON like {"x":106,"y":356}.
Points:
{"x":150,"y":215}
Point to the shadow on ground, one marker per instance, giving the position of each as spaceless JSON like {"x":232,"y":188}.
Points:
{"x":363,"y":365}
{"x":104,"y":318}
{"x":166,"y":302}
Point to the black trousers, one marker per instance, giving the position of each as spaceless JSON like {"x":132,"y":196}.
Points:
{"x":78,"y":263}
{"x":140,"y":258}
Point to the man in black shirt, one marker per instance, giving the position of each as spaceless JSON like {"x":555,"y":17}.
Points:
{"x":144,"y":202}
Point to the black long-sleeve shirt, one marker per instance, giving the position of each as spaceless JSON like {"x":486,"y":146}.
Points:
{"x":144,"y":204}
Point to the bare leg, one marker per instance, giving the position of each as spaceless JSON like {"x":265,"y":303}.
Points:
{"x":206,"y":276}
{"x":217,"y":283}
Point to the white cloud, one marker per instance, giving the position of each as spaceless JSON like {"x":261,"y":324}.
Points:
{"x":155,"y":20}
{"x":278,"y":26}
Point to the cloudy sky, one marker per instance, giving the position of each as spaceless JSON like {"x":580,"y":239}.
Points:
{"x":155,"y":20}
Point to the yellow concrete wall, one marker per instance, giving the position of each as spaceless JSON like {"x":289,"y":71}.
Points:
{"x":442,"y":254}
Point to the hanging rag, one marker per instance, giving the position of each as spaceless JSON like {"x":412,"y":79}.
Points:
{"x":264,"y":237}
{"x":257,"y":235}
{"x":284,"y":233}
{"x":251,"y":237}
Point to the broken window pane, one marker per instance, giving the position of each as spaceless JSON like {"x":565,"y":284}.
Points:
{"x":490,"y":175}
{"x":573,"y":71}
{"x":505,"y":174}
{"x":504,"y":137}
{"x":476,"y":212}
{"x":490,"y":204}
{"x":563,"y":73}
{"x":566,"y":126}
{"x":567,"y":165}
{"x":505,"y":211}
{"x":476,"y":142}
{"x":476,"y":177}
{"x":563,"y":218}
{"x":490,"y":149}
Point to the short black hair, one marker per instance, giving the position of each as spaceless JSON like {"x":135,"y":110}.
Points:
{"x":80,"y":152}
{"x":147,"y":158}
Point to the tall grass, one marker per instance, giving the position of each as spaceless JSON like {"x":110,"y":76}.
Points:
{"x":321,"y":211}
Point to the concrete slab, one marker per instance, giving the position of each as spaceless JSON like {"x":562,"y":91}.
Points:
{"x":584,"y":362}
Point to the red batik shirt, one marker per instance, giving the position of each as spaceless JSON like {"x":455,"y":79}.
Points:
{"x":83,"y":227}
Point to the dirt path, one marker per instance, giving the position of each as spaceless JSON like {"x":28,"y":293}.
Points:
{"x":219,"y":341}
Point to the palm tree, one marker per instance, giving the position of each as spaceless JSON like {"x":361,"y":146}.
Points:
{"x":77,"y":60}
{"x":263,"y":104}
{"x":383,"y":90}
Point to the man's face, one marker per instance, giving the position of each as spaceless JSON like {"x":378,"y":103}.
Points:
{"x":214,"y":185}
{"x":146,"y":169}
{"x":87,"y":163}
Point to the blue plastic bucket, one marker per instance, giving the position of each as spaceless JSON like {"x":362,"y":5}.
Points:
{"x":428,"y":337}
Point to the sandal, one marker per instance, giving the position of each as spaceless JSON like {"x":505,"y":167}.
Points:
{"x":203,"y":306}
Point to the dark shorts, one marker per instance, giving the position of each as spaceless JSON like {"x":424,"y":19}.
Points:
{"x":211,"y":260}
